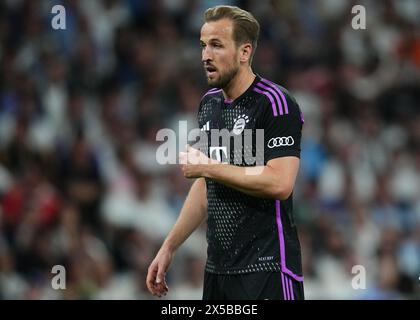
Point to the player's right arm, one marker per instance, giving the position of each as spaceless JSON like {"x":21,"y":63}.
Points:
{"x":192,"y":214}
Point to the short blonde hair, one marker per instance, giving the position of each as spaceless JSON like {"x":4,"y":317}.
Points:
{"x":245,"y":27}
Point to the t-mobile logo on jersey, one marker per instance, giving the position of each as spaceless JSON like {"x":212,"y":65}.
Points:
{"x":239,"y":147}
{"x":219,"y":153}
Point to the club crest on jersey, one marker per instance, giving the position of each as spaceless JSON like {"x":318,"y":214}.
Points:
{"x":240,"y":123}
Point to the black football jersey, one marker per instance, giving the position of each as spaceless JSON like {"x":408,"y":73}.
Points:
{"x":245,"y":233}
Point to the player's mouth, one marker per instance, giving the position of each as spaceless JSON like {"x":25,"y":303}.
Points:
{"x":210,"y":70}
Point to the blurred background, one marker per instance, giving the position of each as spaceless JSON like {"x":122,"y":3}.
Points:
{"x":79,"y":112}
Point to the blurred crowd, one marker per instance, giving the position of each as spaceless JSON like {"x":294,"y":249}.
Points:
{"x":80,"y":108}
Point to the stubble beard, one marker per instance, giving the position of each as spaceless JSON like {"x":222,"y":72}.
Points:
{"x":224,"y":79}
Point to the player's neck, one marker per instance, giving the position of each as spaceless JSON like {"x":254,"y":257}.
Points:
{"x":239,"y":84}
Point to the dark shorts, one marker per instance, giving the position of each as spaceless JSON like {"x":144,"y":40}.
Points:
{"x":252,"y":286}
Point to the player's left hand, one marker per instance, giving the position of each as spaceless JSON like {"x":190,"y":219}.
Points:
{"x":194,"y":162}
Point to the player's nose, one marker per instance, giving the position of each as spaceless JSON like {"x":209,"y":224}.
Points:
{"x":206,"y":55}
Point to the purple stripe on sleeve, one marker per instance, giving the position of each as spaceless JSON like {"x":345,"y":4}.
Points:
{"x":273,"y":104}
{"x":301,"y":117}
{"x":275,"y":94}
{"x":283,"y":98}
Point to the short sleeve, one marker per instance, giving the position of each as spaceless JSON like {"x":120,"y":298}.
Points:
{"x":282,"y":132}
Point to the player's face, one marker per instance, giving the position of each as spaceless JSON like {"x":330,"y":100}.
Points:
{"x":220,"y":54}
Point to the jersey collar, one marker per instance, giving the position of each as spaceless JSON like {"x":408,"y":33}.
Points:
{"x":246,"y":93}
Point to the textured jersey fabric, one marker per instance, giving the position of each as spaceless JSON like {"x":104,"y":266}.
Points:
{"x":247,"y":234}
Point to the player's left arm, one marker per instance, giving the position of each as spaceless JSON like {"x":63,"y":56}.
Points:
{"x":274,"y":180}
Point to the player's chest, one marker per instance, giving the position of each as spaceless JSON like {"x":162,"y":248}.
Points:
{"x":230,"y":133}
{"x":233,"y":119}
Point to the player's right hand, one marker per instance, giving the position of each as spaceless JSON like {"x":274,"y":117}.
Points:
{"x":155,"y":281}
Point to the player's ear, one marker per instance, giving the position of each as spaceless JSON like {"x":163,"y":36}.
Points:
{"x":245,"y":52}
